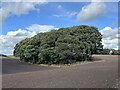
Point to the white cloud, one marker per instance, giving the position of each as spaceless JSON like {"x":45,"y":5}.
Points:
{"x":8,"y":41}
{"x":91,"y":11}
{"x":66,"y":14}
{"x":17,"y":8}
{"x":60,"y":7}
{"x":40,"y":28}
{"x":110,"y":37}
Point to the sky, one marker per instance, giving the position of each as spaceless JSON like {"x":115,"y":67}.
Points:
{"x":20,"y":20}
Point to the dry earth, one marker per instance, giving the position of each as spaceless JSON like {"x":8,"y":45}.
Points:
{"x":99,"y":74}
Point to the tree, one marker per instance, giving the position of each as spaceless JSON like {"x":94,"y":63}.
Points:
{"x":63,"y":46}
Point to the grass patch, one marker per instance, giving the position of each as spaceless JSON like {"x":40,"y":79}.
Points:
{"x":11,"y":56}
{"x":65,"y":65}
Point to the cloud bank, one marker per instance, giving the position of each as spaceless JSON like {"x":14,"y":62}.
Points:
{"x":91,"y":11}
{"x":110,"y":37}
{"x":17,"y":8}
{"x":40,"y":28}
{"x":8,"y":41}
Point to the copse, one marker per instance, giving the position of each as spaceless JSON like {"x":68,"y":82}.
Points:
{"x":63,"y":46}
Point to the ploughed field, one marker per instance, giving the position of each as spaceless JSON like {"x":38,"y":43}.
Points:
{"x":98,"y":74}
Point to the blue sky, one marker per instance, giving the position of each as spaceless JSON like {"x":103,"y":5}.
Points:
{"x":26,"y":18}
{"x":45,"y":16}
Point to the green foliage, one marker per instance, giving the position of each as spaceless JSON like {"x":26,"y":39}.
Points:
{"x":110,"y":51}
{"x":105,"y":51}
{"x":115,"y":52}
{"x":63,"y":46}
{"x":2,"y":55}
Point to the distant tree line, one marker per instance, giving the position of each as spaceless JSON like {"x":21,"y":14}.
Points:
{"x":2,"y":55}
{"x":63,"y":46}
{"x":107,"y":51}
{"x":115,"y":52}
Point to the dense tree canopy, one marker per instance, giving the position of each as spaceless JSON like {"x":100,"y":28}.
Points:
{"x":63,"y":46}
